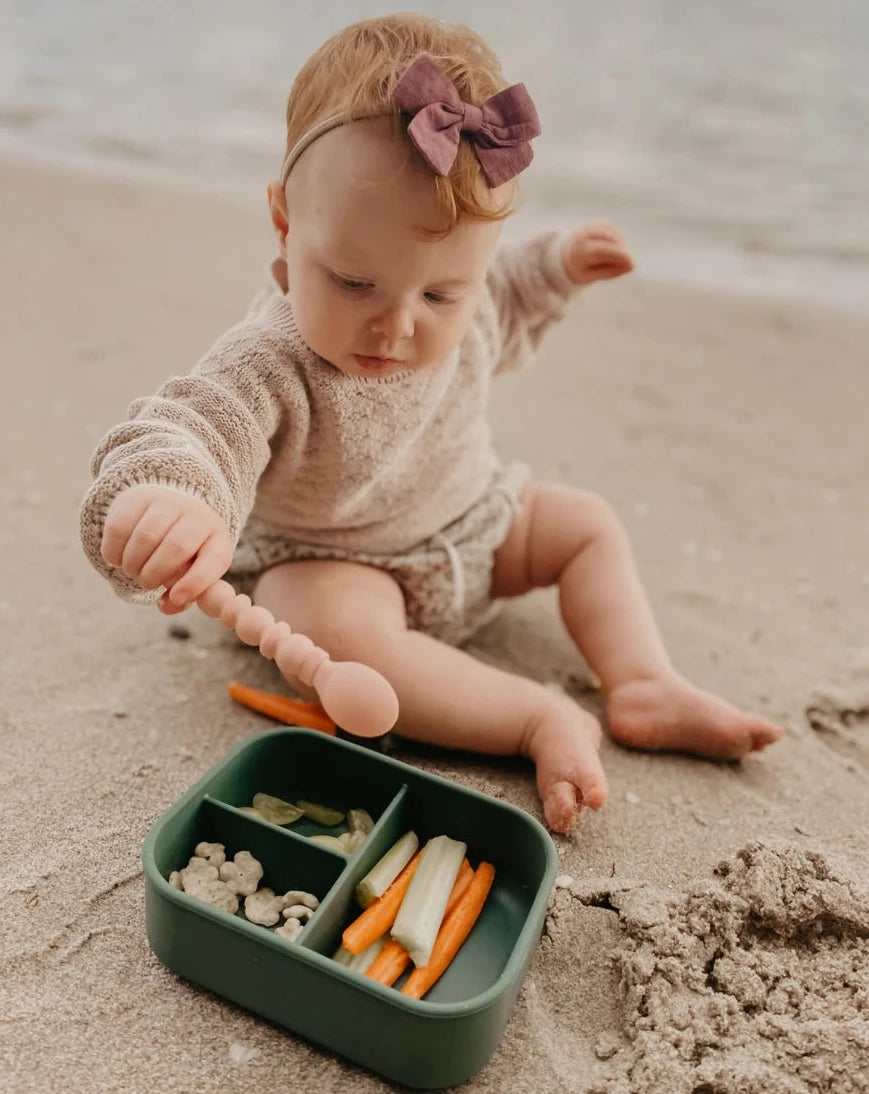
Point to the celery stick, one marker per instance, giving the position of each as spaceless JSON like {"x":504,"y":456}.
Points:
{"x":422,"y":910}
{"x":386,"y":870}
{"x":360,"y":962}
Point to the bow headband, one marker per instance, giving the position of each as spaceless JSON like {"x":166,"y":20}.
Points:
{"x":500,"y":130}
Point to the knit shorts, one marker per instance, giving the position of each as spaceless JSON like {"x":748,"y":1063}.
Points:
{"x":446,"y":579}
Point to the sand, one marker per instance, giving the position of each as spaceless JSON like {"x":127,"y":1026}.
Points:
{"x":729,"y":432}
{"x":758,"y":982}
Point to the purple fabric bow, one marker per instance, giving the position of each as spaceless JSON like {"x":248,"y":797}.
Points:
{"x":500,"y":130}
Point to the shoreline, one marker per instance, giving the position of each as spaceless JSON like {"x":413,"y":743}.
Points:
{"x":677,"y":259}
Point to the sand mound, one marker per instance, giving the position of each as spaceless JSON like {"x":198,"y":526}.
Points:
{"x":756,"y":980}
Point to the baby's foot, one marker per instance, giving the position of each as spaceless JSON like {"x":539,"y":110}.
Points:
{"x":669,"y":714}
{"x":563,"y":744}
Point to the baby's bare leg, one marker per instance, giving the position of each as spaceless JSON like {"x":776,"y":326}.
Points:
{"x":574,"y":539}
{"x":446,"y":697}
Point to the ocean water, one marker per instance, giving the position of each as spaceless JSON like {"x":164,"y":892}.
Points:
{"x":729,"y":139}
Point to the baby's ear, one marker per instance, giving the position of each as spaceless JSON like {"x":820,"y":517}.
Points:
{"x":278,"y":212}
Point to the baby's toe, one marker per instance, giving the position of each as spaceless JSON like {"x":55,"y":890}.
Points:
{"x":587,"y":773}
{"x":593,"y":788}
{"x":560,"y":806}
{"x":763,"y":733}
{"x":564,"y":798}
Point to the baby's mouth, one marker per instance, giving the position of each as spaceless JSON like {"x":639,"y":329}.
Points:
{"x":376,"y":363}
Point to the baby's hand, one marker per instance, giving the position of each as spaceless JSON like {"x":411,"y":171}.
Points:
{"x":162,"y":537}
{"x":596,"y":252}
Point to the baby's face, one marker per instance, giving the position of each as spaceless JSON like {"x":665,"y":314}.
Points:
{"x":370,"y":291}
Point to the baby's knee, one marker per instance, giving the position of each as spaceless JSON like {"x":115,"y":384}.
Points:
{"x":351,"y":628}
{"x":342,"y":607}
{"x":596,"y":515}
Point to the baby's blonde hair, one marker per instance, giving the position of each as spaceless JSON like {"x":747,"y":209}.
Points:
{"x":354,"y":73}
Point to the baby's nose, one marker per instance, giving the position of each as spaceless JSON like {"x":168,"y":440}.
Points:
{"x":395,"y":323}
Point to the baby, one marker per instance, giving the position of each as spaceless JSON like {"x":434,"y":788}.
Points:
{"x":331,"y":453}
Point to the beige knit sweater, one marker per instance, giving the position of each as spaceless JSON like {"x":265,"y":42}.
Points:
{"x":264,"y":427}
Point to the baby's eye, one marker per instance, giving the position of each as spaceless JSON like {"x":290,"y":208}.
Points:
{"x":351,"y":284}
{"x":439,"y":298}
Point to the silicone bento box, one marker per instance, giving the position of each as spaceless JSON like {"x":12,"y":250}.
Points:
{"x":434,"y":1042}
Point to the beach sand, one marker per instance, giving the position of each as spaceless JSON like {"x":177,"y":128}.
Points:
{"x":730,"y":433}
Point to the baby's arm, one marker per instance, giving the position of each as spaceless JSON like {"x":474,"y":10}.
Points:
{"x":531,"y":283}
{"x":195,"y":451}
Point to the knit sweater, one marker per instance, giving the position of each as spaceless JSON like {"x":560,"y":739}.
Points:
{"x":262,"y":427}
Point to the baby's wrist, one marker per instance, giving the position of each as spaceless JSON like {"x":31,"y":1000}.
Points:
{"x":575,"y":268}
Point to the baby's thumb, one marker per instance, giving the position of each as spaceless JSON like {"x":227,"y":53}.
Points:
{"x":165,"y":605}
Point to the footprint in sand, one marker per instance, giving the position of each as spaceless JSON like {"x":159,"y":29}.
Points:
{"x":754,"y":981}
{"x":842,"y":725}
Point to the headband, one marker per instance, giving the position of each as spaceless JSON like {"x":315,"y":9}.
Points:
{"x":499,"y":130}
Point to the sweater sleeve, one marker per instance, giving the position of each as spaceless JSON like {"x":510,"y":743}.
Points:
{"x":206,"y":434}
{"x":530,"y":290}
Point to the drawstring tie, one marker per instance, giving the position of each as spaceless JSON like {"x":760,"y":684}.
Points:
{"x":457,"y":570}
{"x":457,"y":567}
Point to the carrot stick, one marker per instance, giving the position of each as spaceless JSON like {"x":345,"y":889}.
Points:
{"x":463,"y":879}
{"x":389,"y":964}
{"x":455,"y":929}
{"x":283,"y":709}
{"x":379,"y":916}
{"x":393,"y":959}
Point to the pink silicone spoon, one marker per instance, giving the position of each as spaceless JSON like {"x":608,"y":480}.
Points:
{"x":354,"y":696}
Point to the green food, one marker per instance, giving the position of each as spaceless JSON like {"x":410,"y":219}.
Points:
{"x":422,"y":909}
{"x":277,"y":810}
{"x":361,"y":962}
{"x":386,"y":870}
{"x":319,"y":814}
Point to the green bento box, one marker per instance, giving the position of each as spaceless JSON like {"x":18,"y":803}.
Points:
{"x":434,"y":1042}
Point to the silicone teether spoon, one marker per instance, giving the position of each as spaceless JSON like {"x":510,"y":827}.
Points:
{"x":354,"y":696}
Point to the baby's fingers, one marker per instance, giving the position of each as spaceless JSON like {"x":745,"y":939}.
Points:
{"x":609,"y":270}
{"x":153,"y":527}
{"x":171,"y":558}
{"x":606,"y":253}
{"x":124,"y":514}
{"x":606,"y":262}
{"x":164,"y":604}
{"x":210,"y":565}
